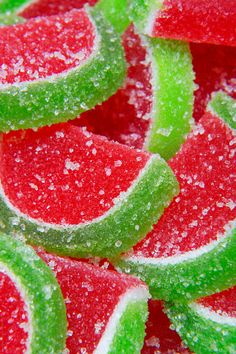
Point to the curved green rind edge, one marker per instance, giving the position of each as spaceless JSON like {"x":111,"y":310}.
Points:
{"x":115,"y":233}
{"x":173,"y":87}
{"x":10,"y":19}
{"x":130,"y":332}
{"x":115,"y":11}
{"x":49,"y":323}
{"x":191,"y":279}
{"x":140,"y":12}
{"x":224,"y":107}
{"x":202,"y":335}
{"x":36,"y":104}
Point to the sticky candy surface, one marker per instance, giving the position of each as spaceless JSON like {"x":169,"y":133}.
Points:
{"x":94,"y":307}
{"x":13,"y":318}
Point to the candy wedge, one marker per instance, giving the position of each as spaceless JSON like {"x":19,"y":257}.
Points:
{"x":76,"y":193}
{"x":160,"y":335}
{"x":209,"y":324}
{"x":189,"y":20}
{"x":33,"y":318}
{"x":191,"y":250}
{"x":106,"y":311}
{"x":153,"y":108}
{"x":50,"y":66}
{"x":114,"y":11}
{"x":215,"y":69}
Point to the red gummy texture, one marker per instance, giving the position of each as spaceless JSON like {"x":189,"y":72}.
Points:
{"x":215,"y":69}
{"x":224,"y":303}
{"x":13,"y":318}
{"x":45,"y":46}
{"x":62,"y":174}
{"x":91,"y":295}
{"x":125,"y":117}
{"x":211,"y":21}
{"x":53,"y":7}
{"x":205,"y":168}
{"x":160,"y":338}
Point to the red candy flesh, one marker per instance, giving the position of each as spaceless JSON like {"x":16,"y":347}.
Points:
{"x":223,"y":303}
{"x":215,"y":69}
{"x":91,"y":300}
{"x":62,"y":174}
{"x":53,"y":7}
{"x":125,"y":117}
{"x":160,"y":338}
{"x":45,"y":46}
{"x":13,"y":318}
{"x":201,"y":21}
{"x":205,"y":168}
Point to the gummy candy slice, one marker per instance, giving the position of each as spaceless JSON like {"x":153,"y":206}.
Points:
{"x":160,"y":336}
{"x":154,"y":107}
{"x":32,"y":310}
{"x":78,"y":194}
{"x":209,"y":324}
{"x":50,"y":65}
{"x":215,"y":69}
{"x":114,"y":10}
{"x":106,"y":311}
{"x":191,"y":250}
{"x":189,"y":20}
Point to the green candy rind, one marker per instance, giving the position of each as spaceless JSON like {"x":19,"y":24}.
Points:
{"x":10,"y":19}
{"x":39,"y":103}
{"x":205,"y":274}
{"x":131,"y":329}
{"x":173,"y":87}
{"x":201,"y":334}
{"x":116,"y":232}
{"x":43,"y":295}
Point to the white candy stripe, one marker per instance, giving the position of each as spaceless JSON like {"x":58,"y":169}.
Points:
{"x":4,"y":269}
{"x":131,"y":296}
{"x":208,"y":314}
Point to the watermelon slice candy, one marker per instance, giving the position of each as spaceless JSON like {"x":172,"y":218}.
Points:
{"x":78,"y":194}
{"x":207,"y":325}
{"x":32,"y":310}
{"x":48,"y":65}
{"x":191,"y":250}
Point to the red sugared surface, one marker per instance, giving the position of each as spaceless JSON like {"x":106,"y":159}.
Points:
{"x":62,"y":174}
{"x":45,"y":46}
{"x":223,"y":303}
{"x":125,"y":117}
{"x":53,"y":7}
{"x":205,"y":168}
{"x":204,"y":21}
{"x":215,"y":69}
{"x":91,"y":295}
{"x":13,"y":318}
{"x":160,"y":338}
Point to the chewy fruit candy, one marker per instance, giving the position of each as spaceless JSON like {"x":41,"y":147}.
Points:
{"x":50,"y":65}
{"x":32,"y":310}
{"x":209,"y":324}
{"x":203,"y":21}
{"x":113,"y":10}
{"x":161,"y":338}
{"x":153,"y":108}
{"x":106,"y":311}
{"x":191,"y":250}
{"x":78,"y":194}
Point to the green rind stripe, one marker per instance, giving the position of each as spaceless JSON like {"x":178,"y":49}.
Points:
{"x":131,"y":329}
{"x":7,"y":6}
{"x":173,"y":86}
{"x":114,"y":234}
{"x":35,"y":104}
{"x":10,"y":19}
{"x":43,"y":295}
{"x":225,"y":107}
{"x":191,"y":279}
{"x":202,"y":335}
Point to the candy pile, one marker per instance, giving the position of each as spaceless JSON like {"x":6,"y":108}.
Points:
{"x":118,"y":155}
